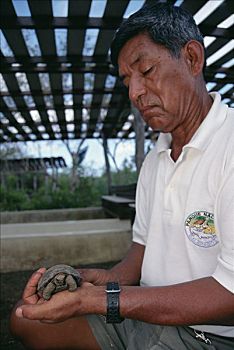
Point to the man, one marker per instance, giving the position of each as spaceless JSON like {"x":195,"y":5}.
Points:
{"x":182,"y":250}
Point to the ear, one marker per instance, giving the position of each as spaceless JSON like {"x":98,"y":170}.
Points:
{"x":195,"y":56}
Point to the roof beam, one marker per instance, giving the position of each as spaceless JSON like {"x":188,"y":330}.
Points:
{"x":53,"y":68}
{"x":45,"y":22}
{"x":54,"y":59}
{"x":83,"y":22}
{"x":59,"y":107}
{"x":116,"y":90}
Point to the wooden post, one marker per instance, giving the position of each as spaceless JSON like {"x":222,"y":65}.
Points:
{"x":35,"y":181}
{"x":108,"y":174}
{"x":139,"y":128}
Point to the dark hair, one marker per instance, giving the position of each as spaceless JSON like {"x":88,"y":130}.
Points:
{"x":165,"y":24}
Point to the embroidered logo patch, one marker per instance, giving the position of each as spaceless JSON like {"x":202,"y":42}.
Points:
{"x":200,"y":229}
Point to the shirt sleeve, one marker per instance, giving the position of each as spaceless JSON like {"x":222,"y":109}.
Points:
{"x":224,"y":272}
{"x":140,"y":224}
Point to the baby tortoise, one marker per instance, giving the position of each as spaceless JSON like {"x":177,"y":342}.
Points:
{"x":58,"y":278}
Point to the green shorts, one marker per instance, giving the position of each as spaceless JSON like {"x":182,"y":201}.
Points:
{"x":136,"y":335}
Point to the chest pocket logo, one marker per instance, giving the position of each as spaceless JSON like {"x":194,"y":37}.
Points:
{"x":200,"y":229}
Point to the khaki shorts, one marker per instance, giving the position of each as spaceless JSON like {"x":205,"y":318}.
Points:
{"x":136,"y":335}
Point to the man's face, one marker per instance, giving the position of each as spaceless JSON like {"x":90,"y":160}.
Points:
{"x":160,"y":86}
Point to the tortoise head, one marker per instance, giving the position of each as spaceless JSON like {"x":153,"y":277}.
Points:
{"x":59,"y":279}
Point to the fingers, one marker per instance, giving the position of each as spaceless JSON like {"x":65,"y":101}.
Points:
{"x":52,"y":311}
{"x":95,"y":276}
{"x":87,"y":284}
{"x":83,"y":273}
{"x":30,"y":291}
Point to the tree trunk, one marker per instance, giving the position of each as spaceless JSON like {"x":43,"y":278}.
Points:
{"x":139,"y":128}
{"x":74,"y":177}
{"x":74,"y":172}
{"x":108,"y":174}
{"x":34,"y":182}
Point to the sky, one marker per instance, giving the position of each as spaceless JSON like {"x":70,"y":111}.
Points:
{"x":94,"y":158}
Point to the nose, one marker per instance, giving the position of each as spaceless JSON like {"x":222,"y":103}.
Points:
{"x":136,"y":89}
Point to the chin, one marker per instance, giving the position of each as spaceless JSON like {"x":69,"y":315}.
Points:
{"x":160,"y":126}
{"x":155,"y":127}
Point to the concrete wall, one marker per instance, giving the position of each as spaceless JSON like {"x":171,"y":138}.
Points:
{"x":30,"y":246}
{"x":52,"y":215}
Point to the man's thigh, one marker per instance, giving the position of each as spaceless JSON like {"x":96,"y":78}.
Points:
{"x":136,"y":335}
{"x":130,"y":334}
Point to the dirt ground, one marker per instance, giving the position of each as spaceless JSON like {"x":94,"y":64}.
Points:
{"x":12,"y":284}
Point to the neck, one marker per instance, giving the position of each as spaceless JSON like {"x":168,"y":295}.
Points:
{"x":195,"y":116}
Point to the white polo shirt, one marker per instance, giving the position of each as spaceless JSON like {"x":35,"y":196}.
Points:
{"x":185,"y":209}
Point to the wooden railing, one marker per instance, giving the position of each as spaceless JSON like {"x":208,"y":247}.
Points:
{"x":121,"y":201}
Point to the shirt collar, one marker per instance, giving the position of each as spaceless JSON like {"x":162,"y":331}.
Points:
{"x":211,"y":123}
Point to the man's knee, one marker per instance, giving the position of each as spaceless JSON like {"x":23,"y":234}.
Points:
{"x":72,"y":334}
{"x":15,"y":322}
{"x":19,"y":329}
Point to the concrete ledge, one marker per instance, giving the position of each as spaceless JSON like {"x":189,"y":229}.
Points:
{"x":30,"y":246}
{"x":26,"y":216}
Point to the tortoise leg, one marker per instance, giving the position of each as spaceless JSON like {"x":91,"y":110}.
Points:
{"x":48,"y":291}
{"x":71,"y":283}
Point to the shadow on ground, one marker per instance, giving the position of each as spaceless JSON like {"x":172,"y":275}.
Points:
{"x":12,"y":285}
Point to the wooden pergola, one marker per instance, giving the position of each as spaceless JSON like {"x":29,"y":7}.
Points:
{"x":57,"y":82}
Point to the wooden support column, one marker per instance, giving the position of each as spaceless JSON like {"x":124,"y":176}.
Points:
{"x":139,"y":128}
{"x":108,"y":174}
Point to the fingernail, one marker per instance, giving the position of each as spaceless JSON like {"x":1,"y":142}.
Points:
{"x":41,"y":270}
{"x":19,"y":312}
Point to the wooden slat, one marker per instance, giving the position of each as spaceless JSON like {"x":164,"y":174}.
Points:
{"x":77,"y":22}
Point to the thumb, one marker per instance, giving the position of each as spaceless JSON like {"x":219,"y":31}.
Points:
{"x":19,"y":312}
{"x":31,"y":312}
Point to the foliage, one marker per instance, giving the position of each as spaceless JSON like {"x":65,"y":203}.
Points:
{"x":14,"y":200}
{"x":126,"y":175}
{"x":53,"y":192}
{"x":12,"y":150}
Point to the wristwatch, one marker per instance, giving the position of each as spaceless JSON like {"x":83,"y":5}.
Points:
{"x":112,"y":292}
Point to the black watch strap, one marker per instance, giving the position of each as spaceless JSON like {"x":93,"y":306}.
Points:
{"x":112,"y":291}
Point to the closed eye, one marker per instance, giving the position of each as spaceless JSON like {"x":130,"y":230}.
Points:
{"x":147,"y":71}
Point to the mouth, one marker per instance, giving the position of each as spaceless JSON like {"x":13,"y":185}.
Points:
{"x":148,"y":111}
{"x":146,"y":108}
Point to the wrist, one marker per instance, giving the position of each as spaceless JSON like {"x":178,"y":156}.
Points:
{"x":90,"y":300}
{"x":113,"y":303}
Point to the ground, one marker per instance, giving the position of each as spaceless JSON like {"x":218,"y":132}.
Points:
{"x":12,"y":284}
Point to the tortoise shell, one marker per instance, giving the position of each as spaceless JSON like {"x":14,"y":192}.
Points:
{"x":51,"y":273}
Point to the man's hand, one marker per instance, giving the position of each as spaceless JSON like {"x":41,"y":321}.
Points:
{"x":90,"y":298}
{"x":127,"y":272}
{"x":30,"y":295}
{"x":65,"y":305}
{"x":98,"y":277}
